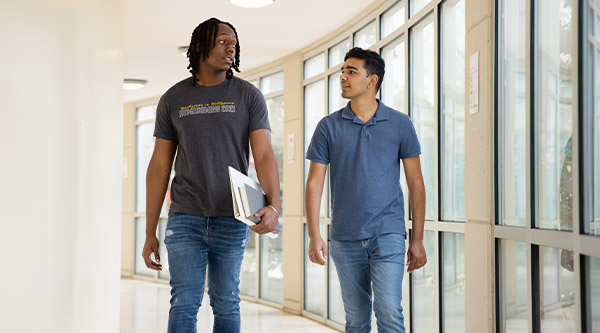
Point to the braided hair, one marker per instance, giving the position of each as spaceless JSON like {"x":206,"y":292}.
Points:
{"x":203,"y":41}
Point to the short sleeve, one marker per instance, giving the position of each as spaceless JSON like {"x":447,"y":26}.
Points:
{"x":163,"y":126}
{"x":318,"y":150}
{"x":410,"y":146}
{"x":257,"y":111}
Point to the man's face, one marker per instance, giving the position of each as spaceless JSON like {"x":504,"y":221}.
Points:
{"x":222,"y":56}
{"x":354,"y":79}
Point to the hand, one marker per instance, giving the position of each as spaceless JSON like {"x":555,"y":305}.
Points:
{"x":268,"y":221}
{"x":415,"y":256}
{"x":151,"y":246}
{"x":317,"y":251}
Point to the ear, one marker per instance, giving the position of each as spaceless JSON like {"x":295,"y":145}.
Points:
{"x":373,"y":79}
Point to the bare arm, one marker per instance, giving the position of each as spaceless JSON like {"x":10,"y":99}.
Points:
{"x":157,"y":181}
{"x":416,"y":256}
{"x":314,"y":191}
{"x":268,"y":176}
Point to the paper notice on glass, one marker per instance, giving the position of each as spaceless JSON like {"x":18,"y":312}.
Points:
{"x":239,"y":180}
{"x":474,"y":83}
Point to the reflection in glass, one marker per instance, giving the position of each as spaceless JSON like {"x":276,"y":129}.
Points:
{"x":513,"y":110}
{"x":164,"y":274}
{"x":591,"y":110}
{"x":314,"y":65}
{"x":423,"y":309}
{"x":140,"y":237}
{"x":554,"y":140}
{"x":366,"y":36}
{"x":513,"y":288}
{"x":422,"y":102}
{"x":271,"y":274}
{"x":336,"y":305}
{"x":249,"y":265}
{"x":336,"y":102}
{"x":276,"y":109}
{"x":338,"y":52}
{"x":557,"y":290}
{"x":314,"y":110}
{"x":271,"y":83}
{"x":392,"y":19}
{"x":314,"y":278}
{"x":417,"y":5}
{"x":453,"y":279}
{"x":453,"y":111}
{"x":593,"y":294}
{"x":392,"y":88}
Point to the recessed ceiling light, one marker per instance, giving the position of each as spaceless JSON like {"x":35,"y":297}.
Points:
{"x":183,"y":50}
{"x":132,"y":84}
{"x":251,"y":3}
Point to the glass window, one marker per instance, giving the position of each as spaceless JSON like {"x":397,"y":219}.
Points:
{"x":140,"y":237}
{"x":336,"y":101}
{"x":557,"y":290}
{"x":336,"y":305}
{"x":248,"y":272}
{"x":314,"y":110}
{"x":314,"y":278}
{"x":593,"y":294}
{"x":555,"y":122}
{"x":145,"y":113}
{"x":254,"y":83}
{"x":453,"y":111}
{"x":513,"y":286}
{"x":423,"y":99}
{"x":271,"y":274}
{"x":366,"y":36}
{"x":591,"y":109}
{"x":453,"y":279}
{"x":392,"y":19}
{"x":423,"y":296}
{"x":338,"y":52}
{"x":275,"y":107}
{"x":417,"y":5}
{"x":393,"y":86}
{"x":513,"y":110}
{"x":314,"y":65}
{"x":271,"y":83}
{"x":144,"y":147}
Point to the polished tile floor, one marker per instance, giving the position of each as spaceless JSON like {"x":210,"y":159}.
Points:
{"x":145,"y":308}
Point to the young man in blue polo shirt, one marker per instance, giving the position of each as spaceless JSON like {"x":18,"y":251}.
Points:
{"x":364,"y":143}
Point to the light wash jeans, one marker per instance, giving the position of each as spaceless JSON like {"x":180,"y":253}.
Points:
{"x":375,"y":264}
{"x":193,"y":244}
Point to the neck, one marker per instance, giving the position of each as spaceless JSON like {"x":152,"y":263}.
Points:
{"x":364,"y":108}
{"x":206,"y":77}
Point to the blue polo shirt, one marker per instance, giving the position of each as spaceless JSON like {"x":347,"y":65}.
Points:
{"x":364,"y":170}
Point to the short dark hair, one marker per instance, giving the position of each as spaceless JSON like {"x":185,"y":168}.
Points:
{"x":203,"y":41}
{"x":374,"y":63}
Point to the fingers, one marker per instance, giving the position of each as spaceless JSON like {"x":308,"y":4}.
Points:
{"x":146,"y":255}
{"x":317,"y":252}
{"x":416,"y":264}
{"x":267,"y":223}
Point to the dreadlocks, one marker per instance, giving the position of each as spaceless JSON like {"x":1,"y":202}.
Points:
{"x":203,"y":41}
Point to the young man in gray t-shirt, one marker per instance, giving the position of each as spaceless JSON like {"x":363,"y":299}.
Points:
{"x":208,"y":120}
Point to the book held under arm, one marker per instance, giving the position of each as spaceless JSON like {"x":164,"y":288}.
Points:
{"x":248,"y":198}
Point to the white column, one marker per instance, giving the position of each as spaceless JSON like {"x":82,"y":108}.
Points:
{"x":61,"y":147}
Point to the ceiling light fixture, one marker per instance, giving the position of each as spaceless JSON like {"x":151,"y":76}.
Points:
{"x":183,"y":50}
{"x":251,"y":3}
{"x":132,"y":84}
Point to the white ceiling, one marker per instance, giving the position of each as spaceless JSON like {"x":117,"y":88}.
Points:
{"x":154,"y":29}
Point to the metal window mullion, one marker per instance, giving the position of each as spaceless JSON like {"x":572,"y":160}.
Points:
{"x":533,"y":268}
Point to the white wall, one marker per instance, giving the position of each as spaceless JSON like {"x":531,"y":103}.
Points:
{"x":61,"y":145}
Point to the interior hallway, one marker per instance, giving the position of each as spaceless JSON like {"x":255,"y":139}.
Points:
{"x":145,"y":308}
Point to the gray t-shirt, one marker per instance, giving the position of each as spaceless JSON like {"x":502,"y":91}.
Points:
{"x":211,"y":126}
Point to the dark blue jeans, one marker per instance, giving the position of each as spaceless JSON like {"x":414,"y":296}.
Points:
{"x":195,"y":243}
{"x":375,"y":264}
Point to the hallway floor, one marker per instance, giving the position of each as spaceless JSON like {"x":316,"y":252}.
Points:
{"x":145,"y":308}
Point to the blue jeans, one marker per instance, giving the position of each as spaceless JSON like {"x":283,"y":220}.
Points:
{"x":375,"y":264}
{"x":193,"y":244}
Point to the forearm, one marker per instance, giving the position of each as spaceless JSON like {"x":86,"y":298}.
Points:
{"x":268,"y":176}
{"x":157,"y":181}
{"x":313,"y":206}
{"x":417,"y":204}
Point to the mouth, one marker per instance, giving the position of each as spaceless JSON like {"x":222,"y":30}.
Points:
{"x":229,"y":60}
{"x":344,"y":86}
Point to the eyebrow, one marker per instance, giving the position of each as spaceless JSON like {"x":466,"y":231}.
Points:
{"x":349,"y":67}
